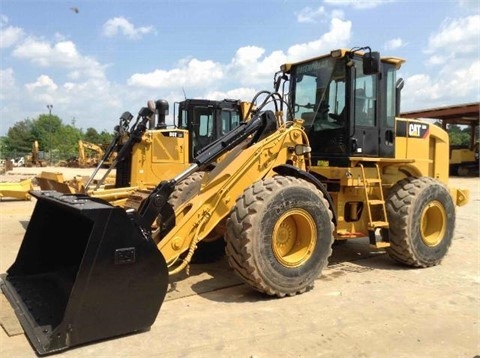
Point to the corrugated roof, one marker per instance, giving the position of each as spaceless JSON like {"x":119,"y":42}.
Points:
{"x":466,"y":114}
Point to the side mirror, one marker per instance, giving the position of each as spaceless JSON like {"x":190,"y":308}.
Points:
{"x":371,"y":63}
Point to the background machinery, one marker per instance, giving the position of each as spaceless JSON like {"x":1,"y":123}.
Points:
{"x":164,"y":151}
{"x":89,"y":155}
{"x":20,"y":189}
{"x":148,"y":151}
{"x":36,"y":158}
{"x":457,"y":120}
{"x":283,"y":191}
{"x":464,"y":161}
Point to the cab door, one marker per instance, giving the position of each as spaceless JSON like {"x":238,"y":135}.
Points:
{"x":387,"y":110}
{"x":364,"y":114}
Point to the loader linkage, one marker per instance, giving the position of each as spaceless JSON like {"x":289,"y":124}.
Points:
{"x":88,"y":270}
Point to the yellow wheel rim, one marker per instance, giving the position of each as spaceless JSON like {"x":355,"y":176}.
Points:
{"x":294,"y":237}
{"x":433,"y":223}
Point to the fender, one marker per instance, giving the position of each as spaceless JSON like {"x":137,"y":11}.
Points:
{"x":288,"y":169}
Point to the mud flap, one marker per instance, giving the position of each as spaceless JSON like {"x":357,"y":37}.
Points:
{"x":85,"y":272}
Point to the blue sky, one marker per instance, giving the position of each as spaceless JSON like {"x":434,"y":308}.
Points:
{"x":93,"y":60}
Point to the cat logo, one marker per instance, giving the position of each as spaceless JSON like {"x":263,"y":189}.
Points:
{"x":173,"y":134}
{"x":417,"y":130}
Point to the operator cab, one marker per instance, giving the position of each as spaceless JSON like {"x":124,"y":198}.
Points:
{"x":207,"y":120}
{"x":348,"y":101}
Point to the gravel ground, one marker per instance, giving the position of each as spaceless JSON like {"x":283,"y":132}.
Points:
{"x":364,"y":304}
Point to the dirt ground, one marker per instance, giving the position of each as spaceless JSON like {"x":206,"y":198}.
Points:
{"x":363,"y":305}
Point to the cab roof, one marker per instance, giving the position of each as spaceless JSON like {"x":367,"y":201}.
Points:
{"x":397,"y":61}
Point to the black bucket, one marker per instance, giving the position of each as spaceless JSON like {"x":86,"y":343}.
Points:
{"x":85,"y":272}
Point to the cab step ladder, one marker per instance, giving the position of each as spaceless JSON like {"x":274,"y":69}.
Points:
{"x":377,"y":219}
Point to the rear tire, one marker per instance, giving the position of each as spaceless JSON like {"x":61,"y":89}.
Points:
{"x":279,"y":235}
{"x":421,"y":215}
{"x":186,"y":189}
{"x":212,"y":248}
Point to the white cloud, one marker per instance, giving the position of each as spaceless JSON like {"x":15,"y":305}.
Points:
{"x":90,"y":101}
{"x":243,"y":93}
{"x":453,"y":58}
{"x":451,"y":86}
{"x":471,"y":5}
{"x":43,"y":90}
{"x":437,"y":60}
{"x":120,"y":25}
{"x":86,"y":93}
{"x":453,"y":50}
{"x":7,"y":82}
{"x":9,"y":35}
{"x":338,"y":36}
{"x":62,"y":54}
{"x":43,"y":82}
{"x":308,"y":14}
{"x":420,"y":87}
{"x":359,"y":4}
{"x":394,"y":44}
{"x":251,"y":65}
{"x":7,"y":78}
{"x":190,"y":73}
{"x":9,"y":96}
{"x":457,"y":36}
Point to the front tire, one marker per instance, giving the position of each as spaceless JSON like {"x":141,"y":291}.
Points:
{"x":279,"y":235}
{"x":421,"y":215}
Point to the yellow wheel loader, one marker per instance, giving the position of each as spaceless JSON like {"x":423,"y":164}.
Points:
{"x":160,"y":152}
{"x":148,"y":151}
{"x":330,"y":162}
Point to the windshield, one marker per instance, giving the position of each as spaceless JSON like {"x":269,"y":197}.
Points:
{"x":319,"y":93}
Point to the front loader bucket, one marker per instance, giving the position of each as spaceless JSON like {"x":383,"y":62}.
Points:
{"x":84,"y":272}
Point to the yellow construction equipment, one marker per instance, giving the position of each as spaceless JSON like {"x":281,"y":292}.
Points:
{"x":92,"y":159}
{"x":149,"y":151}
{"x":20,"y":189}
{"x":17,"y":190}
{"x":35,"y":159}
{"x":464,"y":160}
{"x":89,"y":155}
{"x":340,"y":166}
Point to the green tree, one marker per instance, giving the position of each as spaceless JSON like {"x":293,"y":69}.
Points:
{"x":19,"y":139}
{"x":92,"y":136}
{"x":54,"y":137}
{"x":102,"y":139}
{"x":3,"y":147}
{"x":68,"y":147}
{"x":459,"y":135}
{"x":47,"y":130}
{"x":106,"y":138}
